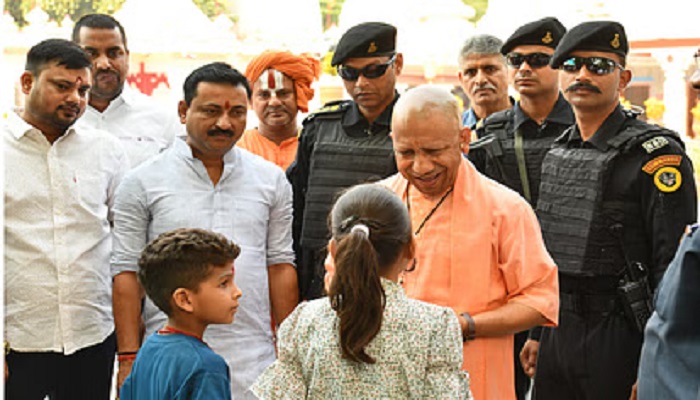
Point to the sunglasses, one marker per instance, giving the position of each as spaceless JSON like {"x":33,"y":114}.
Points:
{"x":371,"y":71}
{"x":597,"y":65}
{"x":534,"y":60}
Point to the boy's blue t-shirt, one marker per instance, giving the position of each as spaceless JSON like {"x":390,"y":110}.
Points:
{"x":176,"y":366}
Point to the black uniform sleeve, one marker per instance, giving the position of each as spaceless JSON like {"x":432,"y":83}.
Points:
{"x":535,"y":333}
{"x":668,"y":198}
{"x":298,"y":176}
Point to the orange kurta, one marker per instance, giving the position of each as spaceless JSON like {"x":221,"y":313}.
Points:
{"x":481,"y":249}
{"x":282,"y":154}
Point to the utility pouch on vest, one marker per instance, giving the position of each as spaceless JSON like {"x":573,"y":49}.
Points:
{"x":492,"y":146}
{"x":635,"y":295}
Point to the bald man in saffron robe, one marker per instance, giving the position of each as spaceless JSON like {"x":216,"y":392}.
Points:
{"x":281,"y":87}
{"x":479,"y":247}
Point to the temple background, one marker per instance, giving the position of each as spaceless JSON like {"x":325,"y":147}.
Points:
{"x":169,"y":38}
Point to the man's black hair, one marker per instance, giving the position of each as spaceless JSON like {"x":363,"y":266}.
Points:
{"x":98,"y":21}
{"x":216,"y":72}
{"x":63,"y":52}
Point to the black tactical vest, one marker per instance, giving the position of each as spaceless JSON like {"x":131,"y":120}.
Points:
{"x":491,"y":145}
{"x":584,"y":234}
{"x":338,"y":162}
{"x":501,"y":163}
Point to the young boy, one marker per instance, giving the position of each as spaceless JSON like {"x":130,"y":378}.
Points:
{"x":188,"y":273}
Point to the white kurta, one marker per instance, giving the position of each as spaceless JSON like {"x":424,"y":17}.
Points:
{"x":251,"y":205}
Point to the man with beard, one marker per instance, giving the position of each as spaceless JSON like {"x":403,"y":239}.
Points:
{"x":203,"y":181}
{"x":669,"y":367}
{"x":484,"y":78}
{"x":344,"y":143}
{"x":514,"y":141}
{"x":281,"y":86}
{"x":59,"y":185}
{"x":143,"y":127}
{"x":615,"y":198}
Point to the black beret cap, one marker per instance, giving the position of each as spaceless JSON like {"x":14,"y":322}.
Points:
{"x":605,"y":36}
{"x":544,"y":32}
{"x":370,"y":39}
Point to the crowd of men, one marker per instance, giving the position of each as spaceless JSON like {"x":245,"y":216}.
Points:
{"x":546,"y":223}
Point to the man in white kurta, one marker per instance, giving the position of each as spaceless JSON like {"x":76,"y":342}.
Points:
{"x":58,"y":194}
{"x":142,"y":125}
{"x":205,"y":182}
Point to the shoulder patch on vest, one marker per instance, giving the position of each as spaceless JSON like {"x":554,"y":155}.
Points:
{"x":654,"y":144}
{"x":652,"y":166}
{"x":668,"y":179}
{"x":332,"y":107}
{"x":331,"y":110}
{"x":328,"y":109}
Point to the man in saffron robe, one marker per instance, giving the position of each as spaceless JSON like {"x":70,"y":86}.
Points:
{"x":281,"y":85}
{"x":479,"y":247}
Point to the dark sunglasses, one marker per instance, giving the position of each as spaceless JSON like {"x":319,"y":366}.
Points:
{"x":597,"y":65}
{"x":534,"y":60}
{"x":371,"y":71}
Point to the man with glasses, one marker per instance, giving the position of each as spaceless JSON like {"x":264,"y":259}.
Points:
{"x":344,"y":143}
{"x":484,"y":78}
{"x":615,"y":197}
{"x":513,"y":142}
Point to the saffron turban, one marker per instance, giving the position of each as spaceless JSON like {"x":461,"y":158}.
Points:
{"x":301,"y":69}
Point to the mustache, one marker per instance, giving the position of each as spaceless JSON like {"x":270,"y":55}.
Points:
{"x":583,"y":85}
{"x":486,"y":85}
{"x":106,"y":72}
{"x":224,"y":132}
{"x":270,"y":110}
{"x":69,"y":107}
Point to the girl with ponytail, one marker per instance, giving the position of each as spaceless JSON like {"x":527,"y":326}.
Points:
{"x":367,"y":340}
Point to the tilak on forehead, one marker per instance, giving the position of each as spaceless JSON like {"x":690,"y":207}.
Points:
{"x":271,"y":80}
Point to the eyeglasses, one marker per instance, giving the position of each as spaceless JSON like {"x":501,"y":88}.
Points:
{"x":597,"y":65}
{"x":371,"y":71}
{"x":534,"y":60}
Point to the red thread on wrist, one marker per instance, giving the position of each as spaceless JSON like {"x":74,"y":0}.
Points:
{"x":124,"y":357}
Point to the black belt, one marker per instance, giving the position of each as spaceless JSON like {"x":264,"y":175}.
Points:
{"x":588,"y":303}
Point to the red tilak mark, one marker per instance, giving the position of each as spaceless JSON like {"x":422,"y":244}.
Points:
{"x":270,"y":79}
{"x":227,"y":104}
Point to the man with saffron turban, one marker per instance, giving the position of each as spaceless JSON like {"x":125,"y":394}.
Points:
{"x":281,"y":86}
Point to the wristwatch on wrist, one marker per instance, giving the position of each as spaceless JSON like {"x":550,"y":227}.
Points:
{"x":470,"y":332}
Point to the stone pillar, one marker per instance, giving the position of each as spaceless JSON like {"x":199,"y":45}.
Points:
{"x":674,"y":62}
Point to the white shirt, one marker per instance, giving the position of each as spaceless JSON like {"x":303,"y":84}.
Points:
{"x":251,"y":205}
{"x":142,"y":125}
{"x":58,"y":198}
